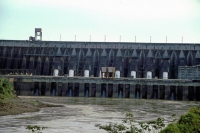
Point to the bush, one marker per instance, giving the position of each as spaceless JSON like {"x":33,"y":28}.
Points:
{"x":129,"y":126}
{"x":188,"y":123}
{"x":6,"y":89}
{"x":171,"y":128}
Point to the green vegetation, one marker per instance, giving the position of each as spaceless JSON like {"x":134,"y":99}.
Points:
{"x":35,"y":129}
{"x":129,"y":126}
{"x":188,"y":123}
{"x":6,"y":90}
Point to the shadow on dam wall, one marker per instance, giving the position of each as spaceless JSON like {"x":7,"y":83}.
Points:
{"x":109,"y":90}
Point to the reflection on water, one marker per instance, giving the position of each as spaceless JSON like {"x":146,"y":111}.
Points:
{"x":81,"y":114}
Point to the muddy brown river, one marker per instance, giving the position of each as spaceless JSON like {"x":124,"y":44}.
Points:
{"x":79,"y":115}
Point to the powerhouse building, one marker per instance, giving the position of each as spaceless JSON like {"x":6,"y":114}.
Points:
{"x":137,"y":60}
{"x":72,"y":68}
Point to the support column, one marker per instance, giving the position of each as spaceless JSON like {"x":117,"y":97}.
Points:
{"x":185,"y":93}
{"x":158,"y":92}
{"x":86,"y":89}
{"x":132,"y":90}
{"x":176,"y":93}
{"x":59,"y":89}
{"x":90,"y":90}
{"x":167,"y":92}
{"x":124,"y":91}
{"x":93,"y":90}
{"x":194,"y":93}
{"x":149,"y":91}
{"x":162,"y":91}
{"x":25,"y":89}
{"x":106,"y":90}
{"x":70,"y":89}
{"x":64,"y":89}
{"x":197,"y":93}
{"x":144,"y":91}
{"x":110,"y":90}
{"x":127,"y":91}
{"x":29,"y":87}
{"x":140,"y":91}
{"x":115,"y":90}
{"x":81,"y":89}
{"x":48,"y":89}
{"x":98,"y":90}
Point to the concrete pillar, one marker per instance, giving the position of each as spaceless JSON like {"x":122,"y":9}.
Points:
{"x":48,"y":89}
{"x":194,"y":93}
{"x":158,"y":92}
{"x":138,"y":87}
{"x":123,"y":96}
{"x":162,"y":91}
{"x":176,"y":91}
{"x":132,"y":90}
{"x":110,"y":90}
{"x":197,"y":93}
{"x":54,"y":89}
{"x":115,"y":90}
{"x":149,"y":91}
{"x":24,"y":89}
{"x":39,"y":89}
{"x":70,"y":89}
{"x":106,"y":90}
{"x":59,"y":89}
{"x":43,"y":89}
{"x":36,"y":88}
{"x":81,"y":89}
{"x":185,"y":93}
{"x":86,"y":90}
{"x":98,"y":90}
{"x":90,"y":88}
{"x":29,"y":86}
{"x":144,"y":91}
{"x":93,"y":89}
{"x":64,"y":89}
{"x":127,"y":91}
{"x":167,"y":92}
{"x":140,"y":91}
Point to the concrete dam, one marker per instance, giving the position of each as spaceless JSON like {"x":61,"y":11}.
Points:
{"x":102,"y":69}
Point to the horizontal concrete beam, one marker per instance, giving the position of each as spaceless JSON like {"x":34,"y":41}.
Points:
{"x":141,"y":81}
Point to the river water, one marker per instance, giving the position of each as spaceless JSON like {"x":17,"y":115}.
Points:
{"x":79,"y":115}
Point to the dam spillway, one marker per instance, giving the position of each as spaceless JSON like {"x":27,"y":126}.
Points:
{"x":143,"y":70}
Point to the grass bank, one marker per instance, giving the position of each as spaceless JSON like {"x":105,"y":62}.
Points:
{"x":10,"y":104}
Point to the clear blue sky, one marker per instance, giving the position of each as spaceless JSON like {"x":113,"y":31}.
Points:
{"x":113,"y":18}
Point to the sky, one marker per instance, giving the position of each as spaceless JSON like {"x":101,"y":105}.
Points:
{"x":102,"y":20}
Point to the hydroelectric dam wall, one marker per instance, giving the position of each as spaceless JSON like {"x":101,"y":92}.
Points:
{"x":143,"y":70}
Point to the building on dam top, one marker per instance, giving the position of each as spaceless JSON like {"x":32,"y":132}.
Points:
{"x":137,"y":60}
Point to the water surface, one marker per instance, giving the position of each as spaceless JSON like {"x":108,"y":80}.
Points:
{"x":79,"y":115}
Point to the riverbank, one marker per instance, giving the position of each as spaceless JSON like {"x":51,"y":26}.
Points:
{"x":19,"y":105}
